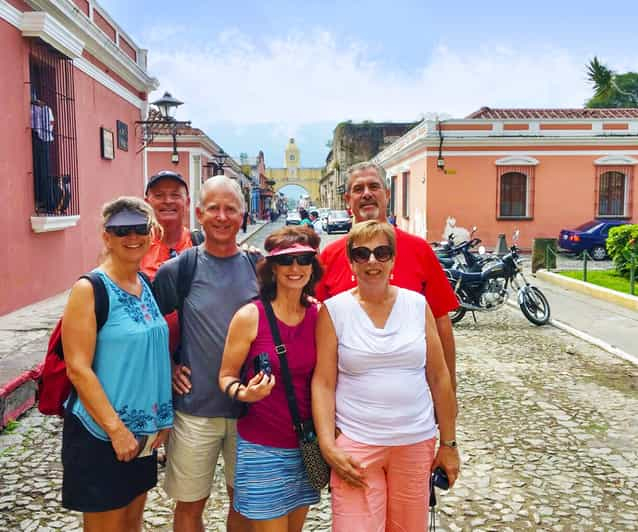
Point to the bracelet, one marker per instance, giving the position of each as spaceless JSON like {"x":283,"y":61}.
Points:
{"x":226,"y":390}
{"x":237,"y":392}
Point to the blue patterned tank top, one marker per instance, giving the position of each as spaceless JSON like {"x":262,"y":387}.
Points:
{"x":132,"y":363}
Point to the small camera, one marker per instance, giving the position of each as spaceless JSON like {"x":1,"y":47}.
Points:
{"x":440,"y":480}
{"x":262,"y":363}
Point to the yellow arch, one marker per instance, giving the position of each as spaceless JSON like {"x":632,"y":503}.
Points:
{"x":307,"y":178}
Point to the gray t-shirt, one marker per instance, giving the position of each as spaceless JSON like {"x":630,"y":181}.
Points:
{"x":220,"y":287}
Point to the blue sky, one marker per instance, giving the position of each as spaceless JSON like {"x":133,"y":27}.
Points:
{"x":252,"y":74}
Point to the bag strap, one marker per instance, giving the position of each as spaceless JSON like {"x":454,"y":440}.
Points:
{"x":186,"y":266}
{"x":281,"y":351}
{"x":101,"y":297}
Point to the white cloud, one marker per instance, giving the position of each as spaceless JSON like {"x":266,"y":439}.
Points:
{"x":310,"y":77}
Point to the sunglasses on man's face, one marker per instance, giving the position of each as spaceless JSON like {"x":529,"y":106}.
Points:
{"x":361,"y":254}
{"x":303,"y":259}
{"x":123,"y":230}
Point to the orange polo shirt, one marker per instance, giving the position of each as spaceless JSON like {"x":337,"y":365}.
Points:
{"x":158,"y":253}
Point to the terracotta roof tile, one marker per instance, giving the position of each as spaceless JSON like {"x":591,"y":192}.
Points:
{"x":487,"y":113}
{"x":162,"y":127}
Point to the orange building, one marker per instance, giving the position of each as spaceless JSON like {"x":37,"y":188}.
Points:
{"x":537,"y":170}
{"x":73,"y":85}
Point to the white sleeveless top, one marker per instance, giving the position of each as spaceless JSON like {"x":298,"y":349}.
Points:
{"x":382,"y":393}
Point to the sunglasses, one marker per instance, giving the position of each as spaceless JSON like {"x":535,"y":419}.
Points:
{"x":361,"y":254}
{"x":123,"y":230}
{"x":303,"y":259}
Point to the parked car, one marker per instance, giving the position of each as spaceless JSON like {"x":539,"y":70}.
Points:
{"x":293,"y":218}
{"x":590,"y":237}
{"x":338,"y":221}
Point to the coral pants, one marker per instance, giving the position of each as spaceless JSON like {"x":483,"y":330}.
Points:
{"x":396,"y":499}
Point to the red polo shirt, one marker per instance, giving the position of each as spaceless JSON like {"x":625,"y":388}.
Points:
{"x":416,"y":268}
{"x":158,"y":253}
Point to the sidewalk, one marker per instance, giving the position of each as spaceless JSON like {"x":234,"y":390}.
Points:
{"x":24,"y":335}
{"x":614,"y":326}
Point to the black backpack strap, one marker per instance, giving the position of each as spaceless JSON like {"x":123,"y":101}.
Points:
{"x":186,"y":266}
{"x":101,"y":297}
{"x":281,"y":351}
{"x":197,"y":237}
{"x":254,"y":258}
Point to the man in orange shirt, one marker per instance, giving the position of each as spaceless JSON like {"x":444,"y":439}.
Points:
{"x":167,"y":194}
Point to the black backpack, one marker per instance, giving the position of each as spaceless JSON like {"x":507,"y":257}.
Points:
{"x":186,"y":267}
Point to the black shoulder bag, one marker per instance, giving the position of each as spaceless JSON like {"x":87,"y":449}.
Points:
{"x":316,"y":467}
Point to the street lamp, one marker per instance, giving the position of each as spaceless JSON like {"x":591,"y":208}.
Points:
{"x":167,"y":105}
{"x":218,"y":162}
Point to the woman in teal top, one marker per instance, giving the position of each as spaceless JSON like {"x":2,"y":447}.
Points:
{"x":122,"y":378}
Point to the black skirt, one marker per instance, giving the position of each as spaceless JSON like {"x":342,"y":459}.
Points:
{"x":94,"y":479}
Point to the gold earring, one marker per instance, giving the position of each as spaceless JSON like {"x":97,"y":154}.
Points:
{"x":352,"y":277}
{"x":391,"y":276}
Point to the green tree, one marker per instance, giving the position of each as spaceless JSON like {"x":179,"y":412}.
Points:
{"x":610,"y":88}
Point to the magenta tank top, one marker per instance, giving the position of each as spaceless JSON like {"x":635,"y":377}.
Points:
{"x":268,"y":422}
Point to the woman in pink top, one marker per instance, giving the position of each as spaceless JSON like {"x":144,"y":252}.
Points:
{"x":379,"y":358}
{"x":271,"y":486}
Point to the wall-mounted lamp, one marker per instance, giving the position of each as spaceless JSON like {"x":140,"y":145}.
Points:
{"x":167,"y":106}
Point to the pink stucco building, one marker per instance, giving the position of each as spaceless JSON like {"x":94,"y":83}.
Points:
{"x":537,"y":170}
{"x":73,"y":85}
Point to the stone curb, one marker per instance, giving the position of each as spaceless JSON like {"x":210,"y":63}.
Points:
{"x":598,"y":292}
{"x":19,"y":394}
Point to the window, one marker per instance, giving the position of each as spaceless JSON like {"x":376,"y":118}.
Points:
{"x":393,"y":195}
{"x":53,"y":134}
{"x":614,"y":191}
{"x":405,"y":177}
{"x":515,"y":192}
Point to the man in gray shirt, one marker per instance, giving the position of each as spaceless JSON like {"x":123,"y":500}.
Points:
{"x":205,"y":420}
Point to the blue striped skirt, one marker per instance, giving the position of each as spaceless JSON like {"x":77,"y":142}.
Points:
{"x":270,"y":482}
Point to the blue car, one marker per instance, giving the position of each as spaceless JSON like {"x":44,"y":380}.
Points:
{"x":590,"y":236}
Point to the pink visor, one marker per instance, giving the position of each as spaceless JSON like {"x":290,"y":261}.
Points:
{"x":291,"y":250}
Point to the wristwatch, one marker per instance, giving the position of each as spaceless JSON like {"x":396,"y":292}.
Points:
{"x":449,"y":443}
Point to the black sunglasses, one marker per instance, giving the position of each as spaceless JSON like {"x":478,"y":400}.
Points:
{"x":303,"y":259}
{"x":362,"y":254}
{"x":123,"y":230}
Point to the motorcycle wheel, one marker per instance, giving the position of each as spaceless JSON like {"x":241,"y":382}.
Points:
{"x":457,"y":315}
{"x":534,"y":305}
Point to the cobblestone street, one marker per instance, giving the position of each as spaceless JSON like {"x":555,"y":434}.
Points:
{"x":547,"y":430}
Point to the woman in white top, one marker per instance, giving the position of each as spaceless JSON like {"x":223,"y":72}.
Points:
{"x":380,"y":380}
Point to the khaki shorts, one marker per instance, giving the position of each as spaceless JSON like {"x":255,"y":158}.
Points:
{"x":192,"y":453}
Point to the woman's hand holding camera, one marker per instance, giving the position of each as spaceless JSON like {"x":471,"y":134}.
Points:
{"x":257,"y":388}
{"x":447,"y":458}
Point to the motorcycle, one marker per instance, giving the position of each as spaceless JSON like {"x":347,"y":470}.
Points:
{"x":488,"y":288}
{"x":460,"y":257}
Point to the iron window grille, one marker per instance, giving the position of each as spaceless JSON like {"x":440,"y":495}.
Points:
{"x":53,"y":132}
{"x":515,"y":192}
{"x":613,"y":191}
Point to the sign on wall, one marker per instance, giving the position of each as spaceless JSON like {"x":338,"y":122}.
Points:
{"x":122,"y":135}
{"x":107,"y":143}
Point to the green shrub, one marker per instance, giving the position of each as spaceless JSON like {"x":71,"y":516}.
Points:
{"x":621,"y":243}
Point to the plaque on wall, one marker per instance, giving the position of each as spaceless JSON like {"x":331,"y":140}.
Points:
{"x":106,"y":143}
{"x":122,"y":135}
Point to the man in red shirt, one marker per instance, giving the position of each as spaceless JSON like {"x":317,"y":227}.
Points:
{"x":167,"y":193}
{"x":416,"y":268}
